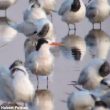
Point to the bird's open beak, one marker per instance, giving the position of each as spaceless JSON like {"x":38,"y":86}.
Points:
{"x":56,"y":44}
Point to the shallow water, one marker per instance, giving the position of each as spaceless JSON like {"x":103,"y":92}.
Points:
{"x":66,"y":68}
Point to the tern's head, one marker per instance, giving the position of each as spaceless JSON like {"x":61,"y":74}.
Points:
{"x":16,"y":63}
{"x":40,"y":42}
{"x":104,"y":70}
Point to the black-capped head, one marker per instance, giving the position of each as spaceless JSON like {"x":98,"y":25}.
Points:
{"x":104,"y":70}
{"x":101,"y":104}
{"x":16,"y":63}
{"x":76,"y":53}
{"x":75,"y":5}
{"x":40,"y":43}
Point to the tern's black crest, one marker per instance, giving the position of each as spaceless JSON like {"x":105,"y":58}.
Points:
{"x":16,"y":63}
{"x":44,"y":31}
{"x":104,"y":69}
{"x":104,"y":82}
{"x":100,"y":104}
{"x":75,"y":5}
{"x":40,"y":43}
{"x":76,"y":53}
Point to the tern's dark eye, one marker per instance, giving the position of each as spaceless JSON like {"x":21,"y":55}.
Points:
{"x":33,"y":6}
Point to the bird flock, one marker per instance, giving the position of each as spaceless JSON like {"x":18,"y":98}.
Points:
{"x":93,"y":85}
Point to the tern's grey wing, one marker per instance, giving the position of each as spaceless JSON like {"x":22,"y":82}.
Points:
{"x":64,"y":7}
{"x":83,"y":78}
{"x":44,"y":31}
{"x":26,"y":15}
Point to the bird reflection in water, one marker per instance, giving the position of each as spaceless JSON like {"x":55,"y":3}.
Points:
{"x":7,"y":31}
{"x":5,"y":4}
{"x":43,"y":100}
{"x":73,"y":47}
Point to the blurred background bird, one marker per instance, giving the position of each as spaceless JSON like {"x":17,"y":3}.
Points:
{"x":93,"y":73}
{"x":97,"y":11}
{"x":80,"y":100}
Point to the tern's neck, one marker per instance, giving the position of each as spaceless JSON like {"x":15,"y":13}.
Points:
{"x":45,"y":50}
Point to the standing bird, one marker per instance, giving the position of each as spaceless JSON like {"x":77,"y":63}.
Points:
{"x":81,"y":100}
{"x":72,"y":11}
{"x":47,"y":5}
{"x":97,"y":11}
{"x":43,"y":100}
{"x":98,"y":42}
{"x":4,"y":4}
{"x":40,"y":61}
{"x":22,"y":87}
{"x":93,"y":73}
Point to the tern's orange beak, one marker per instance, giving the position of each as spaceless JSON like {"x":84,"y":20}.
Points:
{"x":56,"y":44}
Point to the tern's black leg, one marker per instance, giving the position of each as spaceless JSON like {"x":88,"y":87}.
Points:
{"x":51,"y":17}
{"x":100,"y":25}
{"x":93,"y":25}
{"x":5,"y":13}
{"x":74,"y":28}
{"x":69,"y":27}
{"x":24,"y":104}
{"x":37,"y":82}
{"x":47,"y":81}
